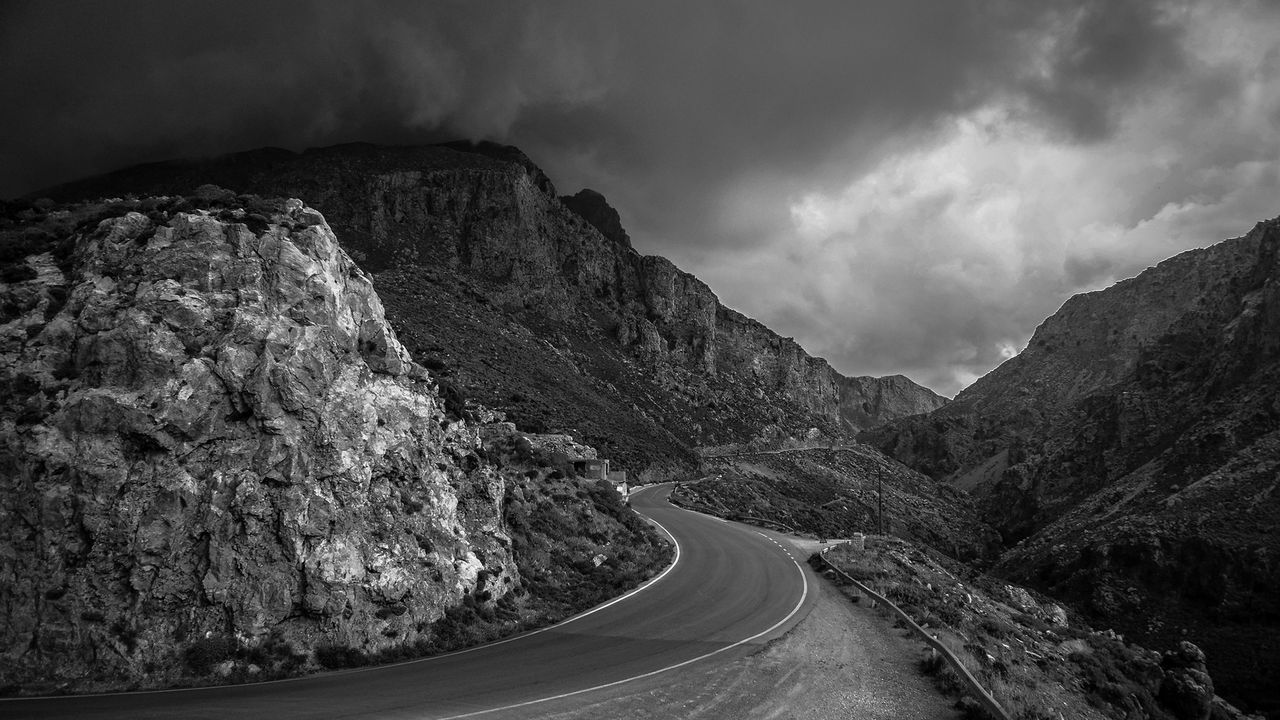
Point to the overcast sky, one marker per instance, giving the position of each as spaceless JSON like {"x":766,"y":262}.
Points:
{"x":901,"y":186}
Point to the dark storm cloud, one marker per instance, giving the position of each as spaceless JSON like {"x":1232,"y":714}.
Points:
{"x":94,"y":85}
{"x":675,"y":100}
{"x":705,"y":124}
{"x":1096,"y":56}
{"x":705,"y":100}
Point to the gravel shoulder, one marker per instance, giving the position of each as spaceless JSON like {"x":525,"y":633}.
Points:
{"x":843,"y":660}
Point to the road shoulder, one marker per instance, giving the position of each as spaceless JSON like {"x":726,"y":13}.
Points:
{"x":842,"y":660}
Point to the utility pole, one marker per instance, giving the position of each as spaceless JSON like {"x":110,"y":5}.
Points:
{"x":880,"y":501}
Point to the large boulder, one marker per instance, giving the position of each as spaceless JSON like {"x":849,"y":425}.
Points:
{"x":1187,"y":690}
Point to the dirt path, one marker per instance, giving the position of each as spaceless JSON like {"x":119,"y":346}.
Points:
{"x":842,"y":661}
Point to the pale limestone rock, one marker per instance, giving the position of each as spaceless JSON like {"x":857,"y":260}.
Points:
{"x":1056,"y":615}
{"x":222,"y":434}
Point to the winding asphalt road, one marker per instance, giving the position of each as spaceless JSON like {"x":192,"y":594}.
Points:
{"x":731,"y":589}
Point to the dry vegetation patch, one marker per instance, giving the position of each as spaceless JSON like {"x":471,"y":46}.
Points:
{"x":1036,"y":659}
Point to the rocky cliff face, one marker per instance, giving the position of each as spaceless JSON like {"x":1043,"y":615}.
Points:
{"x":866,"y":402}
{"x":209,"y":430}
{"x":1134,"y":445}
{"x":633,"y":329}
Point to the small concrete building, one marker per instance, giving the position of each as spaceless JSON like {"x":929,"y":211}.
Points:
{"x":598,"y":469}
{"x":591,"y":468}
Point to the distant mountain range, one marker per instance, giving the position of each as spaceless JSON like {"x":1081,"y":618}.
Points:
{"x":538,"y":306}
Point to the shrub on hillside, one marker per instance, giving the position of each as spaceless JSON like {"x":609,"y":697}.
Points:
{"x":275,"y":655}
{"x":455,"y":401}
{"x":435,"y":364}
{"x":1120,"y":675}
{"x":202,"y":654}
{"x":578,"y":544}
{"x":336,"y":657}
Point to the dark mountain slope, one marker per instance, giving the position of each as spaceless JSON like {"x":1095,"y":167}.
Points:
{"x":1135,"y":444}
{"x":835,"y":492}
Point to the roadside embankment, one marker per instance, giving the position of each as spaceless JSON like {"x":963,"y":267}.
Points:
{"x":1036,"y":660}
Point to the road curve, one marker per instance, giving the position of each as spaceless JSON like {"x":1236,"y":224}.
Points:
{"x":732,"y":589}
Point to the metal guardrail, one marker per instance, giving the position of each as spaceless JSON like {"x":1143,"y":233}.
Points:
{"x":984,"y":698}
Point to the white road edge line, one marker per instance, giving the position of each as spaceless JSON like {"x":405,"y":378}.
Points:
{"x":643,"y":586}
{"x":803,"y":596}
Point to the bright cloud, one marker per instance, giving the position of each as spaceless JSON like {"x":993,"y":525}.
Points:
{"x":940,"y":260}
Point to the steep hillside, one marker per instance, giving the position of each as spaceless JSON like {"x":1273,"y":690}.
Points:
{"x":835,"y":492}
{"x":1036,"y":659}
{"x":1135,"y":445}
{"x":471,"y":248}
{"x":215,"y":454}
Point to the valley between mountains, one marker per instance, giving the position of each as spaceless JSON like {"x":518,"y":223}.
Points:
{"x":276,"y":412}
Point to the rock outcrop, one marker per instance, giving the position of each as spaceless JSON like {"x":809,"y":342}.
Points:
{"x":1131,"y":452}
{"x":657,"y":364}
{"x":1187,"y":689}
{"x":592,"y":207}
{"x":209,"y":430}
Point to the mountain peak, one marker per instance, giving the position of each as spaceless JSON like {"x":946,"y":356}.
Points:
{"x":592,"y":207}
